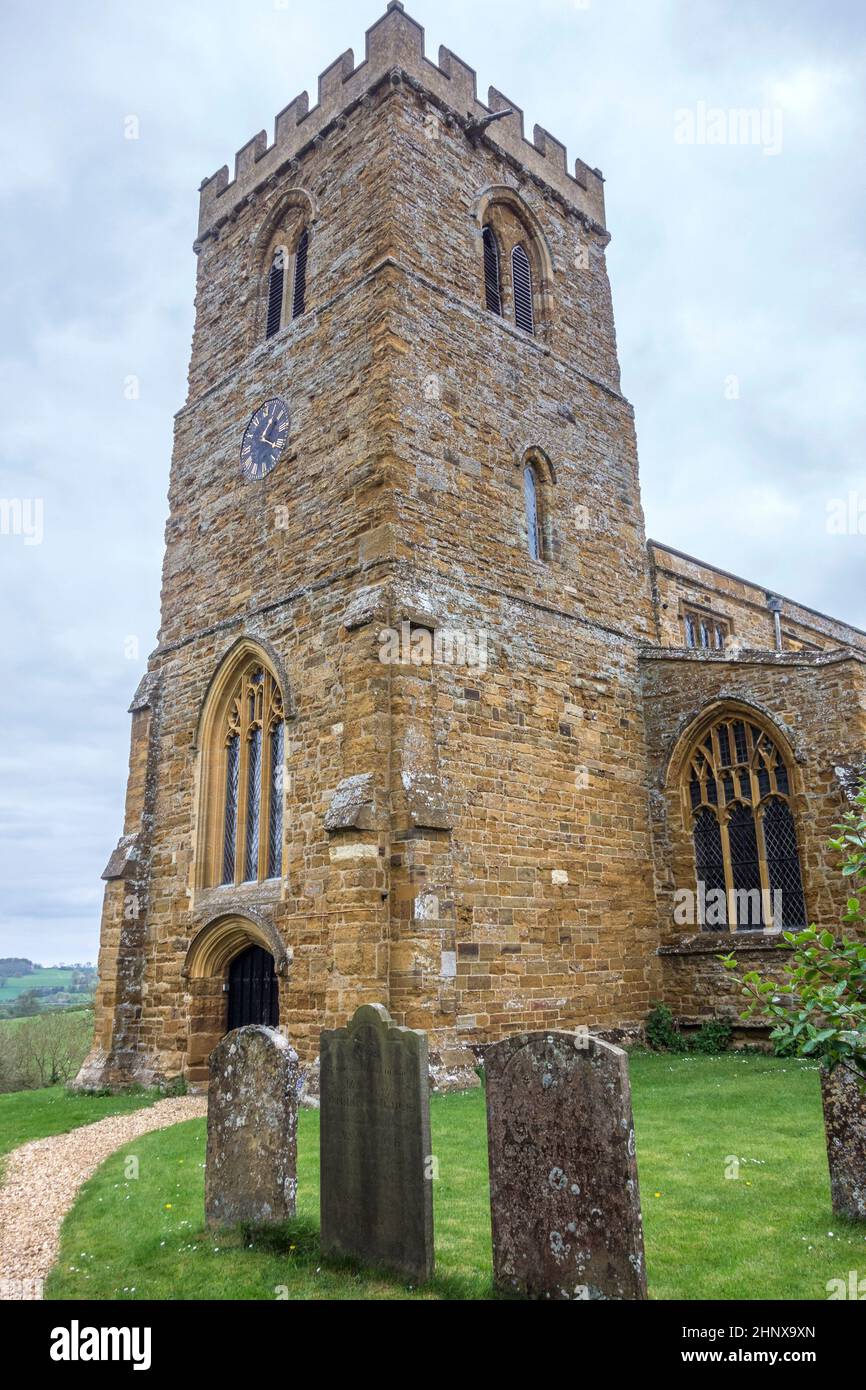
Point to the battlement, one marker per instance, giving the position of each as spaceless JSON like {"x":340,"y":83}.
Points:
{"x":396,"y":42}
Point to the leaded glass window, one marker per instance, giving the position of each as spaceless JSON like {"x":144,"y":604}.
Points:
{"x":783,"y":861}
{"x":275,"y":819}
{"x":231,"y":809}
{"x":253,"y":805}
{"x":737,"y":796}
{"x":705,"y":630}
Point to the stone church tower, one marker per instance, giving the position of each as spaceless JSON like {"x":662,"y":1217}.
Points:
{"x":391,"y":745}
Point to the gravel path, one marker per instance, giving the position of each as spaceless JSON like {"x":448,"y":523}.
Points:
{"x":43,"y":1177}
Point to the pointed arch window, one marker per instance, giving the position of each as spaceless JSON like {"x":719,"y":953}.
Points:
{"x":243,"y":826}
{"x":738,"y":798}
{"x":492,"y":281}
{"x":521,"y":275}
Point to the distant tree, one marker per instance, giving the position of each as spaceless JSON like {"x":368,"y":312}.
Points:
{"x":52,"y":1046}
{"x":25,"y":1005}
{"x":15,"y":965}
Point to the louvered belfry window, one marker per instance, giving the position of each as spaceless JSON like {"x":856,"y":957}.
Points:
{"x":276,"y":284}
{"x":299,"y":289}
{"x":253,"y":809}
{"x":492,"y":286}
{"x":745,"y":840}
{"x":521,"y":274}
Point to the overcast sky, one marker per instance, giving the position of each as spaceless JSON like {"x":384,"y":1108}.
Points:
{"x":738,"y":282}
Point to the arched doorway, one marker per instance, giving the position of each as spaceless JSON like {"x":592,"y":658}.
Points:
{"x":232,"y":969}
{"x":253,"y":989}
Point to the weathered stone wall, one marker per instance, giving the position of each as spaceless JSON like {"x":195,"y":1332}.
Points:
{"x":532,"y":908}
{"x":818,"y":705}
{"x":469,"y":845}
{"x":680,"y":581}
{"x":394,"y":44}
{"x":278,"y":562}
{"x":485,"y":890}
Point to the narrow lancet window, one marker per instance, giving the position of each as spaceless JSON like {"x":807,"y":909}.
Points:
{"x":533,"y":521}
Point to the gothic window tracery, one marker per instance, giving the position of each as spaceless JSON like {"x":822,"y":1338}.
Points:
{"x":738,"y":798}
{"x":240,"y":837}
{"x":254,"y":776}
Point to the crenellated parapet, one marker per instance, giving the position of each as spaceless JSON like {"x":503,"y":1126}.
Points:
{"x":395,"y":45}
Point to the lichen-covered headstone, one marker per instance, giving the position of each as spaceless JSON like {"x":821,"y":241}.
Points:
{"x":564,"y":1192}
{"x":374,"y":1103}
{"x":845,"y":1129}
{"x":252,"y":1123}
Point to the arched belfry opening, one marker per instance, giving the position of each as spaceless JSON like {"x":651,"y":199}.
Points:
{"x":233,"y":971}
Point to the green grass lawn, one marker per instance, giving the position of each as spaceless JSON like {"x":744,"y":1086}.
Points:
{"x":54,"y":1110}
{"x":766,"y":1234}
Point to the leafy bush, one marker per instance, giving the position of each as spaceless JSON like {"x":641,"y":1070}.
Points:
{"x":820,"y":1007}
{"x":663,"y":1035}
{"x":711,"y":1038}
{"x":43,"y":1050}
{"x":662,"y":1032}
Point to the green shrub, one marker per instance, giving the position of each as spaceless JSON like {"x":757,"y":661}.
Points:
{"x":819,"y":1007}
{"x":711,"y":1038}
{"x":663,"y":1035}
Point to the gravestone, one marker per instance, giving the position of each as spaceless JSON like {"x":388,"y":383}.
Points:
{"x":374,"y":1103}
{"x":252,"y":1121}
{"x":845,"y":1130}
{"x":564,"y":1193}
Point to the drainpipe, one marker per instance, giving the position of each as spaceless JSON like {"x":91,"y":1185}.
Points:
{"x":775,"y":606}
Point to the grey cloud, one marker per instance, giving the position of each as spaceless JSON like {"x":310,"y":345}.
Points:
{"x":723,"y":261}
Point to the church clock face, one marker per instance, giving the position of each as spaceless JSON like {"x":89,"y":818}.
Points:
{"x":265,"y":438}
